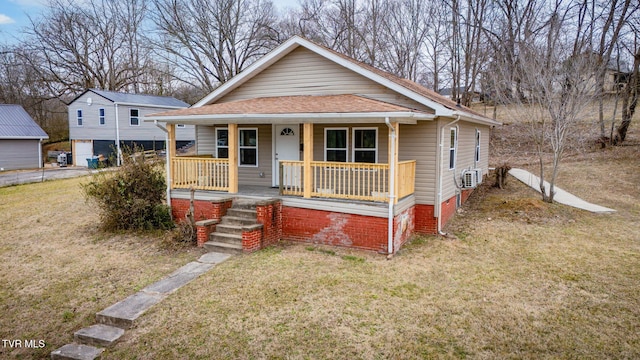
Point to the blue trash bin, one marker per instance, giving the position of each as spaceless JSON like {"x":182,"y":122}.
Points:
{"x":92,"y":163}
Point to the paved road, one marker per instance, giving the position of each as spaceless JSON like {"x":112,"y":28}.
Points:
{"x":29,"y":176}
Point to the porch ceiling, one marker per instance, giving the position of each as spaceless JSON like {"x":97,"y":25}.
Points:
{"x":294,"y":109}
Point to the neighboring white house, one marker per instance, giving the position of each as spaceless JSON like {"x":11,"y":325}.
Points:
{"x":101,"y":122}
{"x":20,"y":139}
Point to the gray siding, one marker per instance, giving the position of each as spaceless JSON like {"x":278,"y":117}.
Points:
{"x":303,"y":72}
{"x":465,"y":155}
{"x":19,"y":154}
{"x":91,"y":128}
{"x":420,"y":142}
{"x":247,"y":175}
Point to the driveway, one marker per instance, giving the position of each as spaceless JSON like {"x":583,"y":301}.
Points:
{"x":15,"y":177}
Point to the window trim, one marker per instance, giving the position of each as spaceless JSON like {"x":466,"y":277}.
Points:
{"x":346,"y":149}
{"x":79,"y":118}
{"x":102,"y":120}
{"x":240,"y":147}
{"x":136,"y":117}
{"x":216,"y":140}
{"x":354,"y":149}
{"x":453,"y":151}
{"x":477,"y":154}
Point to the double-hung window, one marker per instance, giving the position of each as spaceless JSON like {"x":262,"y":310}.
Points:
{"x":101,"y":118}
{"x":222,"y":143}
{"x":335,"y":144}
{"x":477,"y":155}
{"x":248,"y":147}
{"x":79,"y":117}
{"x":134,"y":117}
{"x":453,"y":147}
{"x":365,"y":145}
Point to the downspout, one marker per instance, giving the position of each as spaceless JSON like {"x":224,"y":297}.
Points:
{"x":40,"y":153}
{"x":392,"y":195}
{"x":118,"y":150}
{"x":168,"y":161}
{"x":438,"y":206}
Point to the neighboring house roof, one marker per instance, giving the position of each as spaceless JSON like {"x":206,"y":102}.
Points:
{"x":15,"y":123}
{"x":136,"y":99}
{"x":298,"y":106}
{"x":441,"y":105}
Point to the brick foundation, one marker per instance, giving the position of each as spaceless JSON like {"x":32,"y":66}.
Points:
{"x":332,"y":228}
{"x":204,"y":209}
{"x":403,"y":227}
{"x":269,"y":214}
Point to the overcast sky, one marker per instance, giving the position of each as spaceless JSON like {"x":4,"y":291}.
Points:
{"x":13,"y":15}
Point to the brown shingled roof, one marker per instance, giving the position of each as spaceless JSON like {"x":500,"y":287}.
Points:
{"x":302,"y":104}
{"x":411,"y":85}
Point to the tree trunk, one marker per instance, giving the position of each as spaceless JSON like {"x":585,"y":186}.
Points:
{"x":629,"y":101}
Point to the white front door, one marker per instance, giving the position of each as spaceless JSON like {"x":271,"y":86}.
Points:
{"x":286,"y":139}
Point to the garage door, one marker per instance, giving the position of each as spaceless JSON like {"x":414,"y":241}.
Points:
{"x":83,"y":151}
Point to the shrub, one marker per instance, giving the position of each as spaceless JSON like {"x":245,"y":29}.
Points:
{"x":131,"y":197}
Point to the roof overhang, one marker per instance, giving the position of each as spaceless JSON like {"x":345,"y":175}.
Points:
{"x":475,"y":119}
{"x":294,"y":118}
{"x":24,"y":137}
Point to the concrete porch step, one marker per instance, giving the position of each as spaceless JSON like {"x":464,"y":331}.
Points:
{"x":76,"y":352}
{"x":234,"y":220}
{"x":226,"y":238}
{"x":244,"y":204}
{"x":229,"y":229}
{"x":242,"y":213}
{"x":222,"y":247}
{"x":98,"y":335}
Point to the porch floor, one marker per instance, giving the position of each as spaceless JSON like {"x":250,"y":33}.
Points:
{"x":264,"y":192}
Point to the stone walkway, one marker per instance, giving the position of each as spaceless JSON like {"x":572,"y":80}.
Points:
{"x":114,"y":320}
{"x":560,"y":196}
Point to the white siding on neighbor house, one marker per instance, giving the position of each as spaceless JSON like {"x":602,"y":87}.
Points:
{"x":19,"y":154}
{"x":303,"y":72}
{"x":465,"y":155}
{"x":92,"y":130}
{"x":420,"y":142}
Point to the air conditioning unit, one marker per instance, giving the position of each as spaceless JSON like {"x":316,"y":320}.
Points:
{"x":478,"y":176}
{"x":469,"y":179}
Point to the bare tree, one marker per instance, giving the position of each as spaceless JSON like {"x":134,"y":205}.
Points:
{"x":631,"y":92}
{"x":211,"y":41}
{"x":92,"y":44}
{"x":554,"y":87}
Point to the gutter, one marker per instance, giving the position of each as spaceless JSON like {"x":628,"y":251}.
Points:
{"x":392,"y":195}
{"x":438,"y":207}
{"x":168,"y":161}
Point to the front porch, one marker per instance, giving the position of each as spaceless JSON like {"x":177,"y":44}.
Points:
{"x":308,"y":178}
{"x":331,"y":180}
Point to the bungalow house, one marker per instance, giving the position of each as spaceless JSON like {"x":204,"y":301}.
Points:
{"x":100,"y":122}
{"x":20,"y":139}
{"x":332,"y":151}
